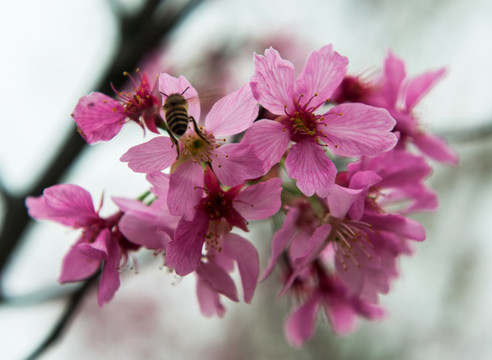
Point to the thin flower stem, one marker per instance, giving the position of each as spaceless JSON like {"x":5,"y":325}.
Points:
{"x":144,"y":195}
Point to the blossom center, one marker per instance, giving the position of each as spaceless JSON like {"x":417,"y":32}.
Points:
{"x":197,"y":148}
{"x":218,"y":205}
{"x":351,"y":242}
{"x":140,"y":99}
{"x":303,"y":122}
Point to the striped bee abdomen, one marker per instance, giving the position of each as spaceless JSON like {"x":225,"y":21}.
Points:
{"x":176,"y":111}
{"x":177,"y":120}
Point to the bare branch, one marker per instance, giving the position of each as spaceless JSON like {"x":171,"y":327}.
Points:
{"x":63,"y":321}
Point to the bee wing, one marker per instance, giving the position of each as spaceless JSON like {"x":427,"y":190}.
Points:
{"x":193,"y":105}
{"x":204,"y":100}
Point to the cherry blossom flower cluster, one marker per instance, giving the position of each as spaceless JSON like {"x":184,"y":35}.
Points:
{"x":341,"y":159}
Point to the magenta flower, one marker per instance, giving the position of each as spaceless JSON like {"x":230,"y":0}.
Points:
{"x":360,"y":237}
{"x":232,"y":163}
{"x":216,"y":214}
{"x":101,"y":242}
{"x":340,"y":308}
{"x":395,"y":91}
{"x":402,"y":181}
{"x":366,"y":240}
{"x":100,"y":117}
{"x":348,"y":129}
{"x":311,"y":278}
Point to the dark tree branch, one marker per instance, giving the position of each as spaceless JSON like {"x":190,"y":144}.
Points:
{"x":144,"y":32}
{"x":73,"y":304}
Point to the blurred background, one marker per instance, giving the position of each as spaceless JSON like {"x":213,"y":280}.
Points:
{"x":55,"y":51}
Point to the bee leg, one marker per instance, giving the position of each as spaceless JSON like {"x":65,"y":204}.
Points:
{"x":197,"y":130}
{"x":175,"y":142}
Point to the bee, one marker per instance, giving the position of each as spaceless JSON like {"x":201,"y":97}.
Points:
{"x":177,"y":119}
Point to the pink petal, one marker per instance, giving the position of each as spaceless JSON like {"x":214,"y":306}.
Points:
{"x":315,"y":245}
{"x":300,"y":324}
{"x":355,"y":129}
{"x":363,"y":180}
{"x":169,"y":85}
{"x":224,"y":261}
{"x":323,"y":72}
{"x":341,"y":199}
{"x":397,"y":168}
{"x":369,"y":311}
{"x":259,"y":201}
{"x":235,"y":163}
{"x":233,"y":113}
{"x":272,"y":82}
{"x":98,"y":117}
{"x":125,"y":204}
{"x":417,"y":87}
{"x":397,"y":224}
{"x":110,"y":277}
{"x":98,"y":248}
{"x":349,"y":274}
{"x":77,"y":266}
{"x":423,"y":200}
{"x":185,"y":250}
{"x":341,"y":315}
{"x":281,"y":240}
{"x":160,"y":184}
{"x":376,"y":282}
{"x":299,"y":243}
{"x":36,"y":207}
{"x":67,"y":204}
{"x":309,"y":165}
{"x":248,"y":262}
{"x":436,"y":148}
{"x":394,"y":73}
{"x":218,"y":279}
{"x":208,"y":299}
{"x":147,"y":226}
{"x":153,"y":156}
{"x":269,"y":140}
{"x":185,"y":190}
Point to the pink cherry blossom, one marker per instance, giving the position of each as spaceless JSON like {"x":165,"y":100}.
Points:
{"x":232,"y":163}
{"x":362,"y":240}
{"x":217,"y":213}
{"x":395,"y":91}
{"x":101,"y":242}
{"x":340,"y":308}
{"x":100,"y":117}
{"x":402,"y":181}
{"x":366,"y":240}
{"x":348,"y":129}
